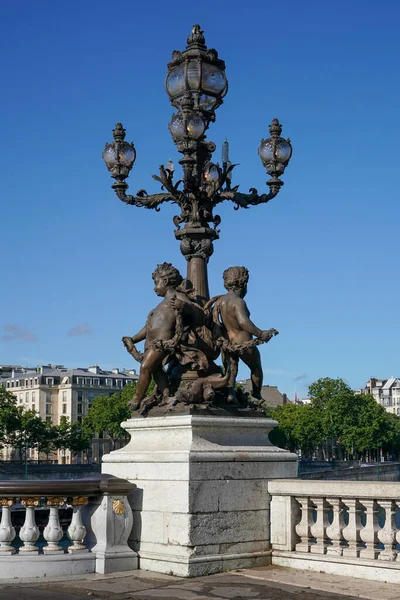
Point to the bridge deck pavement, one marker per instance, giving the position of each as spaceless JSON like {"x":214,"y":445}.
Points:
{"x":267,"y":583}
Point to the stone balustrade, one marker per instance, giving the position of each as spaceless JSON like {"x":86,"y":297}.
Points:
{"x":346,"y":528}
{"x":98,"y":529}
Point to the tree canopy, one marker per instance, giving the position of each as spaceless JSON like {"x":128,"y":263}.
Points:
{"x":108,"y":412}
{"x":23,"y":429}
{"x":339,"y":422}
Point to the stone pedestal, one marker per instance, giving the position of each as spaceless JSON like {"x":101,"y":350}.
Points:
{"x":201,"y":503}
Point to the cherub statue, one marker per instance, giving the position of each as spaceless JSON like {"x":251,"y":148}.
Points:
{"x":162,"y":332}
{"x":230,"y":310}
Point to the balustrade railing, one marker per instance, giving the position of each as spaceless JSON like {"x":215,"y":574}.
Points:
{"x":99,"y":522}
{"x":329,"y":525}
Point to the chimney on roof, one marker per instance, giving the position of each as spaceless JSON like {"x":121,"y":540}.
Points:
{"x":115,"y":371}
{"x":94,"y":369}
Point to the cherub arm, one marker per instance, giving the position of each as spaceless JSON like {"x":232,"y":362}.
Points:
{"x":140,"y":336}
{"x":245,"y":322}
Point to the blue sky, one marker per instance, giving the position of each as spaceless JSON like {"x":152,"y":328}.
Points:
{"x":323,"y":255}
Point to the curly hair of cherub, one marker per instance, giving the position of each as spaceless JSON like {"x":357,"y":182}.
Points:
{"x":168,"y":272}
{"x":235,"y":277}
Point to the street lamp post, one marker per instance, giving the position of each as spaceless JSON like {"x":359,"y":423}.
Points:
{"x":196,"y":84}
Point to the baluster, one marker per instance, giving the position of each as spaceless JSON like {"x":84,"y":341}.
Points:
{"x":335,"y":529}
{"x":318,"y":529}
{"x":387,"y":535}
{"x":303,"y":528}
{"x":369,"y":533}
{"x":7,"y":531}
{"x":397,"y":531}
{"x":351,"y":533}
{"x":53,"y":531}
{"x":29,"y":532}
{"x":77,"y":530}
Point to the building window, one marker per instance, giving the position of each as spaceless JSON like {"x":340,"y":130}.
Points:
{"x":33,"y":397}
{"x":31,"y":382}
{"x":36,"y":380}
{"x":64,"y":409}
{"x":21,"y":383}
{"x":79,"y":380}
{"x":90,"y":397}
{"x":48,"y":409}
{"x":50,"y":381}
{"x":12,"y":384}
{"x":79,"y":419}
{"x":97,"y":382}
{"x":48,"y":397}
{"x":26,"y":383}
{"x":34,"y":407}
{"x":16,"y":383}
{"x":80,"y":396}
{"x":21,"y":399}
{"x":64,"y":396}
{"x":88,"y":382}
{"x":109,"y":382}
{"x":26,"y":396}
{"x":79,"y":409}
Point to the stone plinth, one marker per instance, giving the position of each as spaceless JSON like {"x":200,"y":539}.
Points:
{"x":201,"y":503}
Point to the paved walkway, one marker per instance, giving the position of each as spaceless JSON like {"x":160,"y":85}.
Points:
{"x":266,"y":583}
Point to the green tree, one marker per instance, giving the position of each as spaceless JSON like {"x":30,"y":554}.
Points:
{"x":299,"y":428}
{"x":72,"y":437}
{"x":22,"y":429}
{"x":7,"y":398}
{"x":106,"y":415}
{"x":47,"y":439}
{"x":337,"y":406}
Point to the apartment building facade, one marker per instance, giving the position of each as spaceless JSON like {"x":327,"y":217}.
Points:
{"x":54,"y":391}
{"x":386,"y":392}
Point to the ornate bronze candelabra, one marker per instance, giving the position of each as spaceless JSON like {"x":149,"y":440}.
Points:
{"x":196,"y":85}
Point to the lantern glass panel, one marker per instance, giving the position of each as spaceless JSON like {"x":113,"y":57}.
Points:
{"x":266,"y":150}
{"x":175,"y":83}
{"x":110,"y":155}
{"x":127,"y":155}
{"x":195,"y":126}
{"x":213,"y":79}
{"x":207,"y":102}
{"x":177,"y":127}
{"x":283,"y":150}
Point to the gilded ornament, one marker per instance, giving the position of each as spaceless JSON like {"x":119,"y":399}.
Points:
{"x":6,"y":501}
{"x":80,"y":501}
{"x":30,"y":501}
{"x":118,"y":507}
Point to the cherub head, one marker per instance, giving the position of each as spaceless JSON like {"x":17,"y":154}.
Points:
{"x":165,"y":276}
{"x":236,"y":279}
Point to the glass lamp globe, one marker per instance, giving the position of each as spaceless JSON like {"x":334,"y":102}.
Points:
{"x":191,"y":126}
{"x":119,"y":156}
{"x":275,"y":152}
{"x":211,"y":173}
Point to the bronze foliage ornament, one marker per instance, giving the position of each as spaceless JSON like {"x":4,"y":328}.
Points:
{"x":186,"y":332}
